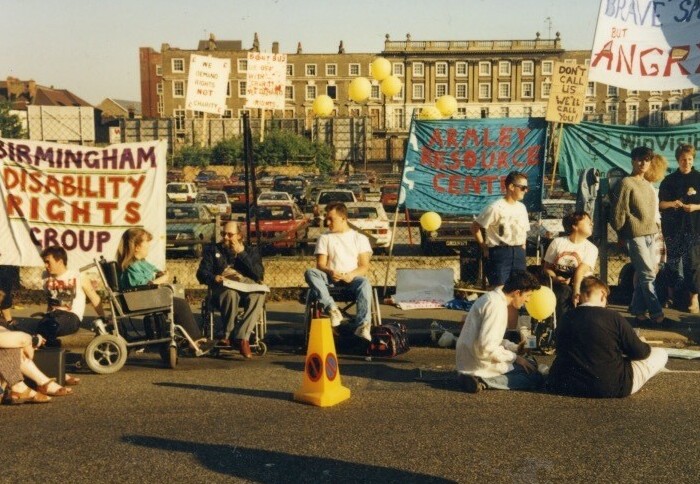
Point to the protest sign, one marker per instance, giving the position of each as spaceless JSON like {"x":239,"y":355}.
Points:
{"x":265,"y":80}
{"x":207,"y":83}
{"x":647,"y":44}
{"x":458,"y":166}
{"x":80,"y":197}
{"x":568,"y":93}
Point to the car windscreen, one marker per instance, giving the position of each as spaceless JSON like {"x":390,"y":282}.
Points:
{"x":175,"y":213}
{"x":363,"y":212}
{"x":275,"y":213}
{"x":180,"y":188}
{"x":290,"y":185}
{"x":329,"y":197}
{"x":210,"y":198}
{"x":235,"y":189}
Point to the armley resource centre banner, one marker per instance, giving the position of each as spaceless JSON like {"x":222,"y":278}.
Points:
{"x":80,"y":197}
{"x":458,"y":166}
{"x":605,"y":146}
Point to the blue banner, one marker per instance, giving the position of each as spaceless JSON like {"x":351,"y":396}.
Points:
{"x":458,"y":166}
{"x":604,"y":146}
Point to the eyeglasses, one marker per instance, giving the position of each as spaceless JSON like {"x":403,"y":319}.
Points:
{"x":522,"y":187}
{"x":228,"y":234}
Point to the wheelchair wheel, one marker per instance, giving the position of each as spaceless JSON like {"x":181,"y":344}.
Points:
{"x":106,"y":354}
{"x":168,"y":353}
{"x":260,"y":348}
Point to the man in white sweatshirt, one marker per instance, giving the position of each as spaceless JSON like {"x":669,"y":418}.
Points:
{"x":484,"y":358}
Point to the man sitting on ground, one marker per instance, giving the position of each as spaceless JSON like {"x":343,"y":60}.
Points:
{"x":598,"y":353}
{"x":484,"y":358}
{"x":342,"y":259}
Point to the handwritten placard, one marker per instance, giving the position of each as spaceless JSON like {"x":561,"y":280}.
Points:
{"x":207,"y":83}
{"x":265,"y":80}
{"x":568,"y":93}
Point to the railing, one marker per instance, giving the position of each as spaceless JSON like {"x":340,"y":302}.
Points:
{"x":470,"y":45}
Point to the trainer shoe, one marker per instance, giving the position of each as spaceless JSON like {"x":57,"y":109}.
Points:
{"x":335,"y":315}
{"x":470,"y":384}
{"x":363,"y":331}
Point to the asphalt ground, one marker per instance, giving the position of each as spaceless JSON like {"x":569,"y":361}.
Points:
{"x":230,"y":420}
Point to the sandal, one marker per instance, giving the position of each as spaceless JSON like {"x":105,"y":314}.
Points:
{"x":61,"y":392}
{"x":72,"y":380}
{"x":11,"y":397}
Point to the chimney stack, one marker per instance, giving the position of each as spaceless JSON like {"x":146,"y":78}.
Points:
{"x":275,"y":47}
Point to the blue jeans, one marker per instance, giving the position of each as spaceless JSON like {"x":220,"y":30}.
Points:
{"x":502,"y":261}
{"x":359,"y":287}
{"x":516,"y":379}
{"x":642,"y":251}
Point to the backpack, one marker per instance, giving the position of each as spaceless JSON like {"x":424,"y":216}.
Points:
{"x":388,"y":340}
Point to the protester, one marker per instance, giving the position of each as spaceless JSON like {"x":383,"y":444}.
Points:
{"x":9,"y":279}
{"x":135,"y":270}
{"x":233,"y":259}
{"x":679,"y":201}
{"x":656,"y":173}
{"x":569,"y":259}
{"x":342,"y":260}
{"x":634,"y":219}
{"x":598,"y":353}
{"x":484,"y":358}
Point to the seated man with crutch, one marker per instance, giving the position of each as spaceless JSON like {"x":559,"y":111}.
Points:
{"x":342,"y":260}
{"x":233,"y":260}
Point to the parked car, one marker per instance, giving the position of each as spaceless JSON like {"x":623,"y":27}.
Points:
{"x":357,"y":189}
{"x":294,"y":185}
{"x":217,"y":182}
{"x":189,"y":227}
{"x":389,"y":196}
{"x":204,"y":176}
{"x":274,"y":197}
{"x":174,"y":176}
{"x":359,"y":178}
{"x":181,"y":192}
{"x":370,"y":219}
{"x":312,"y":193}
{"x":217,"y":203}
{"x":282,"y":226}
{"x":327,"y":196}
{"x":265,"y":182}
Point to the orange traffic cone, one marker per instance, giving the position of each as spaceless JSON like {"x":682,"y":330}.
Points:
{"x":321,"y":384}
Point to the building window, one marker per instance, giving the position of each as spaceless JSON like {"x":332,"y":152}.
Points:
{"x":179,"y":115}
{"x":332,"y":92}
{"x":674,"y":106}
{"x":290,"y":70}
{"x":632,"y":114}
{"x":418,"y":69}
{"x":228,"y":89}
{"x":242,"y":86}
{"x":547,"y":68}
{"x":462,"y":112}
{"x":484,"y":68}
{"x":527,"y":89}
{"x":461,"y":90}
{"x":178,"y":65}
{"x":374,"y":92}
{"x":399,"y":118}
{"x":354,"y":112}
{"x":159,"y":88}
{"x":505,"y":112}
{"x":242,"y":65}
{"x":676,"y":92}
{"x":546,"y":88}
{"x":310,"y":93}
{"x":461,"y":69}
{"x":178,"y":88}
{"x":331,"y":69}
{"x":612,"y":91}
{"x":161,"y":106}
{"x":241,"y":112}
{"x":504,"y":90}
{"x":418,"y":91}
{"x":441,"y":69}
{"x":504,"y":68}
{"x":227,"y":113}
{"x":397,"y":69}
{"x":159,"y":70}
{"x":655,"y":93}
{"x":528,"y":68}
{"x":484,"y":112}
{"x":354,"y":69}
{"x":310,"y":70}
{"x":484,"y":90}
{"x":589,"y":108}
{"x":527,"y":112}
{"x":633,"y":92}
{"x":590,"y":89}
{"x":440,"y":89}
{"x":289,"y":92}
{"x":696,"y":105}
{"x":399,"y":96}
{"x":612,"y":113}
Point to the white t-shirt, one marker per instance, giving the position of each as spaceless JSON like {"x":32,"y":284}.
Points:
{"x":67,"y":292}
{"x":342,"y":249}
{"x":566,"y":256}
{"x":505,"y":223}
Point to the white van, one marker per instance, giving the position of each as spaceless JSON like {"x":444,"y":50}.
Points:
{"x":181,"y":192}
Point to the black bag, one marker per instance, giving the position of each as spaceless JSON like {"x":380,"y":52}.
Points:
{"x":388,"y":340}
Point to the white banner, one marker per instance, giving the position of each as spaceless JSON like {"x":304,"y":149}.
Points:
{"x":207,"y":83}
{"x":647,"y":45}
{"x":80,"y":197}
{"x":265,"y":80}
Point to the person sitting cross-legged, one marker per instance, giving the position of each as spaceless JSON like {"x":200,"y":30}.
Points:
{"x":342,"y":260}
{"x":598,"y":353}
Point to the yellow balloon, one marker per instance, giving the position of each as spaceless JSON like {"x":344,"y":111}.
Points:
{"x":541,"y":304}
{"x":381,"y":68}
{"x":430,"y":112}
{"x":323,"y":105}
{"x":391,"y":86}
{"x":430,"y":221}
{"x":447,"y":105}
{"x":359,"y":89}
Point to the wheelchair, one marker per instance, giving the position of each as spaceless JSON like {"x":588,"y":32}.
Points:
{"x":108,"y":351}
{"x":208,"y":328}
{"x":345,"y":300}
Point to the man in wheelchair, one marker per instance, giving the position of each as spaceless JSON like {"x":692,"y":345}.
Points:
{"x":232,"y":260}
{"x":342,"y":259}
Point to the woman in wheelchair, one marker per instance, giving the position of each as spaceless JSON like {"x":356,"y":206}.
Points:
{"x":135,"y":271}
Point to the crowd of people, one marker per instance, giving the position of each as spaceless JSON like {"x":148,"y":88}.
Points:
{"x":598,"y":352}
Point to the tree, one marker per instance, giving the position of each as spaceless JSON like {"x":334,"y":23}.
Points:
{"x":282,"y":146}
{"x":193,"y":156}
{"x":227,"y":152}
{"x":10,"y":124}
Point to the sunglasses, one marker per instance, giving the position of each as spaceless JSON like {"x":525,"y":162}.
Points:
{"x":522,"y":187}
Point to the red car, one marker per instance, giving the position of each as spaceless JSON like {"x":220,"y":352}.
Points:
{"x":390,"y":196}
{"x":236,"y":195}
{"x":282,"y":226}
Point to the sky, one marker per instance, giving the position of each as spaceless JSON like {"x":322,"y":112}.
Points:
{"x":91,"y":47}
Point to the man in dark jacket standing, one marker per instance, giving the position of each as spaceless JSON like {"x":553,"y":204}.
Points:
{"x":232,"y":260}
{"x":598,"y":353}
